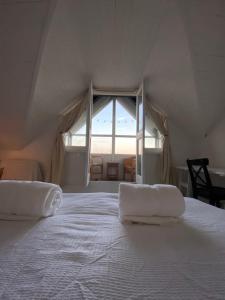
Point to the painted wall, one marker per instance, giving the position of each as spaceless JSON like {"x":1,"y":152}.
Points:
{"x":213,"y":147}
{"x":182,"y":145}
{"x":39,"y":149}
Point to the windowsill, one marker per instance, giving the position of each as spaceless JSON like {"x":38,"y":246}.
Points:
{"x":84,"y":149}
{"x":153,"y":150}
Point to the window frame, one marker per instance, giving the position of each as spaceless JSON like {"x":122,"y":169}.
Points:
{"x":114,"y":135}
{"x":70,"y":135}
{"x":70,"y":147}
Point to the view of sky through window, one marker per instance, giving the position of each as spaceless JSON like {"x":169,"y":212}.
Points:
{"x":102,"y":121}
{"x":125,"y":122}
{"x":118,"y":117}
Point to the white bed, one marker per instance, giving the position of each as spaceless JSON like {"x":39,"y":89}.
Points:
{"x":83,"y":252}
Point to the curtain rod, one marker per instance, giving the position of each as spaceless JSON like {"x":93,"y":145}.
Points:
{"x":114,"y":92}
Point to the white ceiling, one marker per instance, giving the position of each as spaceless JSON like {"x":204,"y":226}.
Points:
{"x":178,"y":46}
{"x":22,"y":25}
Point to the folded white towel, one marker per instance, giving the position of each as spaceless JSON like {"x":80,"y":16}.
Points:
{"x":140,"y":202}
{"x":28,"y":199}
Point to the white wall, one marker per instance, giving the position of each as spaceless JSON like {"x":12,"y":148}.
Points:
{"x":213,"y":145}
{"x":182,"y":145}
{"x":74,"y":168}
{"x":40,"y":150}
{"x":182,"y":148}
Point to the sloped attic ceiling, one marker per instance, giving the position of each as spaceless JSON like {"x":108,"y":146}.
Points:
{"x":177,"y":45}
{"x":22,"y":30}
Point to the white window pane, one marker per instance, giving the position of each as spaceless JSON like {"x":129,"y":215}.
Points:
{"x":102,"y":121}
{"x":125,"y":145}
{"x":125,"y":123}
{"x":81,"y":130}
{"x":101,"y":145}
{"x":79,"y":141}
{"x":147,"y":133}
{"x":150,"y":142}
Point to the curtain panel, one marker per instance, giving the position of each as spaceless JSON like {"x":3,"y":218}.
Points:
{"x":98,"y":106}
{"x":161,"y":122}
{"x":67,"y":120}
{"x":130,"y":106}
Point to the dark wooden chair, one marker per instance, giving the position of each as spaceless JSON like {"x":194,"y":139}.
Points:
{"x":96,"y":168}
{"x":202,"y":184}
{"x":112,"y":171}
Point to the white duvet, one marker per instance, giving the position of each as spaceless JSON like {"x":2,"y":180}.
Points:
{"x":84,"y":252}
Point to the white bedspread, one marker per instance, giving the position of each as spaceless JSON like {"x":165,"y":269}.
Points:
{"x":84,"y":252}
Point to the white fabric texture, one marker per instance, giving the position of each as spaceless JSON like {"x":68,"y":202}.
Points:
{"x":21,"y":169}
{"x":28,"y":199}
{"x":152,"y":220}
{"x":84,"y":252}
{"x":140,"y":201}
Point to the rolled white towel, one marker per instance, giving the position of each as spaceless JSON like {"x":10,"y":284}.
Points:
{"x":140,"y":202}
{"x":28,"y":199}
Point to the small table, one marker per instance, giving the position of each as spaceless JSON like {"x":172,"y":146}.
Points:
{"x":112,"y":171}
{"x":184,"y":181}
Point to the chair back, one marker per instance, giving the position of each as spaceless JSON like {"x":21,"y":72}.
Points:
{"x":199,"y":174}
{"x":96,"y":160}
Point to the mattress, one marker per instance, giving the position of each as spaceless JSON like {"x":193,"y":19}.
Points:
{"x":84,"y":252}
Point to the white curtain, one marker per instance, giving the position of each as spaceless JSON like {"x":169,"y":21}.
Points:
{"x":130,"y":105}
{"x":66,"y":122}
{"x":161,"y":122}
{"x":98,"y":106}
